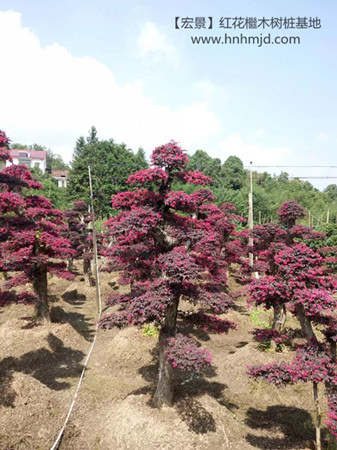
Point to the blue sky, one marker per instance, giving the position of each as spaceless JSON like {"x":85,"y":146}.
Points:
{"x":123,"y":67}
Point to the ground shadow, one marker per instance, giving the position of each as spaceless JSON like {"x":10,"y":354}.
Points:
{"x":74,"y":298}
{"x":295,"y":423}
{"x":197,"y":418}
{"x":45,"y":365}
{"x":78,"y":321}
{"x":187,"y":389}
{"x":242,"y":309}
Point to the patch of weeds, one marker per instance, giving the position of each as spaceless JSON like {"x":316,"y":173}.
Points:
{"x":255,"y":318}
{"x":150,"y":330}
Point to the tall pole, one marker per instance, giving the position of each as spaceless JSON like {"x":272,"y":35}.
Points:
{"x":250,"y":217}
{"x":94,"y":240}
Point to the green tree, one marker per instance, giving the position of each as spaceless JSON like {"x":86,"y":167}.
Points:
{"x":331,"y":192}
{"x":110,"y":163}
{"x":209,"y":166}
{"x":92,"y":137}
{"x":55,"y":161}
{"x":58,"y":196}
{"x":234,"y":173}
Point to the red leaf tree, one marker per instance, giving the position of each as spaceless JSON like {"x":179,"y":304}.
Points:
{"x":269,"y":240}
{"x":78,"y":219}
{"x":31,"y":244}
{"x":167,"y":245}
{"x":305,"y":287}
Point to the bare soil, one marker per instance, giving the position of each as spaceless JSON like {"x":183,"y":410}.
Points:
{"x":40,"y":366}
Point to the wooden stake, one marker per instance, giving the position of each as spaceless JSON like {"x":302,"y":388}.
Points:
{"x":318,"y":417}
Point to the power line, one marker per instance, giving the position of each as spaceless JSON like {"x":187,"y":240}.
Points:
{"x":314,"y":167}
{"x":309,"y":178}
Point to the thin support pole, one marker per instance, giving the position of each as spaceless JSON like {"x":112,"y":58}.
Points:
{"x":94,"y":240}
{"x":250,"y":217}
{"x":318,"y":417}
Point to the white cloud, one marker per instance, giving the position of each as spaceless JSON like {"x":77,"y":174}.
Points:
{"x":154,"y":43}
{"x":325,"y":137}
{"x":259,"y":133}
{"x":206,"y":88}
{"x":258,"y":154}
{"x":50,"y":96}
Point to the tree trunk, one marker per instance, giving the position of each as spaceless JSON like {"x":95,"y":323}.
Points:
{"x":88,"y":272}
{"x":164,"y":392}
{"x":70,"y":264}
{"x":40,"y":286}
{"x":318,"y":417}
{"x":279,"y":317}
{"x":305,"y":323}
{"x":331,"y":391}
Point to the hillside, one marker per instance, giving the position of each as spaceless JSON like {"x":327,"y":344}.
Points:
{"x":41,"y":366}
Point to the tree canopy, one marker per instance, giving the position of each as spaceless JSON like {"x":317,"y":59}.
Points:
{"x":110,"y":163}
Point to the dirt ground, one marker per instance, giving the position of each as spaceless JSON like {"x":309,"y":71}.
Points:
{"x":40,"y":367}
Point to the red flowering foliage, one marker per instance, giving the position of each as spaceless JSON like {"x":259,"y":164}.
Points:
{"x":21,"y":173}
{"x":284,"y":336}
{"x":303,"y":232}
{"x":317,"y":303}
{"x":4,"y":145}
{"x":185,"y":354}
{"x":168,"y":246}
{"x":331,"y":422}
{"x":269,"y":291}
{"x":23,"y":298}
{"x":30,"y":237}
{"x":303,"y":286}
{"x":290,"y":212}
{"x":132,"y":226}
{"x":155,"y":175}
{"x":195,"y":177}
{"x":130,"y":199}
{"x":201,"y":196}
{"x":267,"y":234}
{"x":312,"y":363}
{"x":210,"y":324}
{"x":181,"y":201}
{"x":169,"y":156}
{"x":10,"y":201}
{"x":4,"y":140}
{"x":300,"y":263}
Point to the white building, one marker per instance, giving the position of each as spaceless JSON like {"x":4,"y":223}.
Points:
{"x":31,"y":158}
{"x":60,"y":175}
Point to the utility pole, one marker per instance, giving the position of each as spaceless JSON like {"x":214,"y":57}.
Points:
{"x":94,"y":240}
{"x":250,"y":216}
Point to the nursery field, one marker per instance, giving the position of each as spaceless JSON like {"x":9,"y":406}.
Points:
{"x":41,"y":365}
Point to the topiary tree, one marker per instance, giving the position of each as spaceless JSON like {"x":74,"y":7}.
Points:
{"x":30,"y":239}
{"x":78,"y":219}
{"x":269,"y":240}
{"x":167,"y":245}
{"x":305,"y":288}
